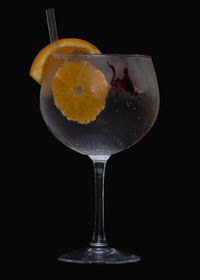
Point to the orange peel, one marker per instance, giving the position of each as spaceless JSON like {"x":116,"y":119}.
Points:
{"x":62,"y":46}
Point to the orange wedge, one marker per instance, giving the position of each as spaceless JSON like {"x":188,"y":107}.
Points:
{"x":79,"y":91}
{"x":62,"y":46}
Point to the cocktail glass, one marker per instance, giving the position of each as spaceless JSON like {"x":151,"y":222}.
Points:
{"x":131,"y":108}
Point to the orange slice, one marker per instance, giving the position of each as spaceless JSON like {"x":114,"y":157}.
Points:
{"x":62,"y":46}
{"x":79,"y":91}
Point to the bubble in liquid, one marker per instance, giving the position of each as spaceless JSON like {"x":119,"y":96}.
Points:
{"x":128,"y":103}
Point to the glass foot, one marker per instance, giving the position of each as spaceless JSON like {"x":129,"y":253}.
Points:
{"x":99,"y":255}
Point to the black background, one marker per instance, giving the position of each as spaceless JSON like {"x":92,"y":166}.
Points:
{"x":52,"y":197}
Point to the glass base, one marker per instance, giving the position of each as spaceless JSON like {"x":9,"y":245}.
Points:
{"x":99,"y":255}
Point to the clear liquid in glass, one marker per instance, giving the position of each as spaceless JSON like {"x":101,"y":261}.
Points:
{"x":123,"y":122}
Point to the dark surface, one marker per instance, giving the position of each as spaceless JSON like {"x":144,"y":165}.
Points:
{"x":51,"y":200}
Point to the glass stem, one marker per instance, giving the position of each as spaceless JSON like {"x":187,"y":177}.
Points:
{"x":99,"y":239}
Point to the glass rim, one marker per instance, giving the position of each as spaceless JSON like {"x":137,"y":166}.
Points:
{"x":57,"y":55}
